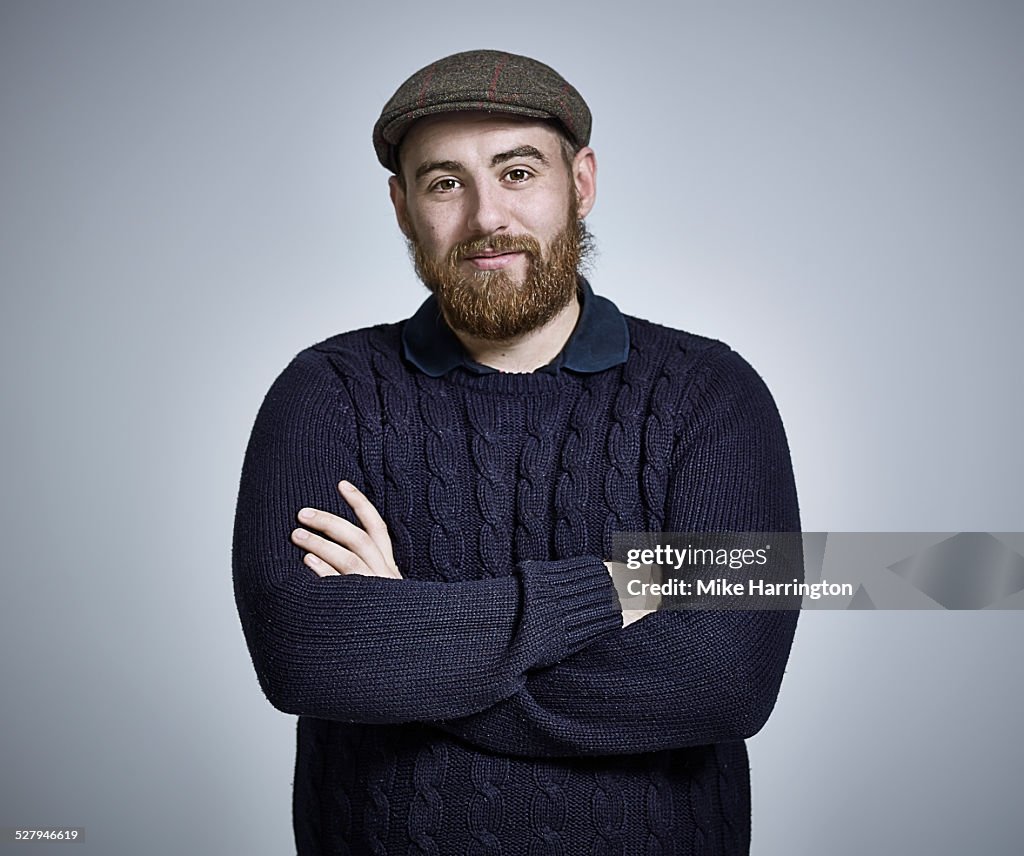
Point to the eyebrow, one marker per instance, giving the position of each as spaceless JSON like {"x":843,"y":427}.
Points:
{"x":437,"y":166}
{"x":519,"y":152}
{"x":502,"y":157}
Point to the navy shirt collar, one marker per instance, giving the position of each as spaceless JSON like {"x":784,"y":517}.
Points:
{"x":599,"y":341}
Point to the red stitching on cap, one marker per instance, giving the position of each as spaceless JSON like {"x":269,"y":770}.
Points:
{"x":491,"y":90}
{"x":421,"y":97}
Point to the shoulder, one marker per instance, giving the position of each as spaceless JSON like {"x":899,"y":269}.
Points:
{"x":687,"y":359}
{"x":356,"y":357}
{"x":649,"y":334}
{"x":356,"y":352}
{"x":340,"y":371}
{"x":695,"y":379}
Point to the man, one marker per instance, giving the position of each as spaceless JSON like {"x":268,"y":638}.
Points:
{"x":454,"y":647}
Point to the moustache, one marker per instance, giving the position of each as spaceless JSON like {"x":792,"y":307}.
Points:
{"x":495,"y":244}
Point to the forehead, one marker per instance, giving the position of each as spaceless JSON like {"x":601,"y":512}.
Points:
{"x":458,"y":136}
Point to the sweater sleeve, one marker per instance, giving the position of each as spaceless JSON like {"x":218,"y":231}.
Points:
{"x":675,"y":678}
{"x":368,"y":649}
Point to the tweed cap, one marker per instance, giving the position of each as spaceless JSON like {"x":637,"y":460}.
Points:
{"x":494,"y":81}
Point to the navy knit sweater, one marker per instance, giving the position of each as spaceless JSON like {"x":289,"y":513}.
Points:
{"x":490,"y":702}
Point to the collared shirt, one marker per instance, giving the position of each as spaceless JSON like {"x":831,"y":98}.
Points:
{"x":599,"y":341}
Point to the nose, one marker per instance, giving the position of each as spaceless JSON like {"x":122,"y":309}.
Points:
{"x":488,"y":213}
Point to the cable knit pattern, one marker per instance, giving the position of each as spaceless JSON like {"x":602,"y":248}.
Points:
{"x":386,"y":412}
{"x":444,"y":497}
{"x":703,"y":816}
{"x":427,"y":805}
{"x":659,"y":816}
{"x":533,"y":480}
{"x":548,"y":812}
{"x":727,"y":795}
{"x":490,"y":702}
{"x":623,"y":441}
{"x":377,"y":816}
{"x":486,"y":810}
{"x":336,"y":813}
{"x":608,"y":812}
{"x":493,"y":542}
{"x":572,"y":489}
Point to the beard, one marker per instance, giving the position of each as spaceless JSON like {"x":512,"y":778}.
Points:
{"x":489,"y":304}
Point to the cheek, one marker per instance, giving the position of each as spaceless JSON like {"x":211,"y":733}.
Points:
{"x":547,"y":219}
{"x":549,"y":229}
{"x":436,"y":234}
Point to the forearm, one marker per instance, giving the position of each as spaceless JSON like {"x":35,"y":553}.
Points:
{"x":380,"y":650}
{"x":673,"y":679}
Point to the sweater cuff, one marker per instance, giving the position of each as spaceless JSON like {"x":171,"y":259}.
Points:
{"x":584,"y":597}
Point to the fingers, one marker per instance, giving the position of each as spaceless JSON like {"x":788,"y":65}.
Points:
{"x":343,"y":548}
{"x":327,"y":558}
{"x":368,"y":515}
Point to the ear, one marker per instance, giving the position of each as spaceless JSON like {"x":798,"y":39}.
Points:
{"x":398,"y":200}
{"x":584,"y":176}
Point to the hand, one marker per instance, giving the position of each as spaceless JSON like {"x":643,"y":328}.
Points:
{"x":631,"y":615}
{"x":347,"y":549}
{"x":628,"y":615}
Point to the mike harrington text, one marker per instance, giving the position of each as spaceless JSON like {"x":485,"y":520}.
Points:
{"x":724,"y":588}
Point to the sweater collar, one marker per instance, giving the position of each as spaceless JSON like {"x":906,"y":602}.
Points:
{"x":599,"y":341}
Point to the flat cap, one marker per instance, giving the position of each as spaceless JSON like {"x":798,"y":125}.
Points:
{"x":494,"y":81}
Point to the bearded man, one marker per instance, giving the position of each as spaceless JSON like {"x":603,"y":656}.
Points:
{"x":427,"y":508}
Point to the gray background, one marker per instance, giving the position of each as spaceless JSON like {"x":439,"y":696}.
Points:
{"x":189,"y":197}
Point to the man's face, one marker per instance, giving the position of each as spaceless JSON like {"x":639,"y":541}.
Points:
{"x":493,"y":215}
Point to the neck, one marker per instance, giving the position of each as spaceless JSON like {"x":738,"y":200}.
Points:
{"x":528,"y":352}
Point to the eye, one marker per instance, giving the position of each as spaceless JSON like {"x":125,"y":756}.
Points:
{"x":445,"y":185}
{"x":518,"y":175}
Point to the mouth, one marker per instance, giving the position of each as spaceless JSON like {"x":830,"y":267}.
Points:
{"x":492,"y":259}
